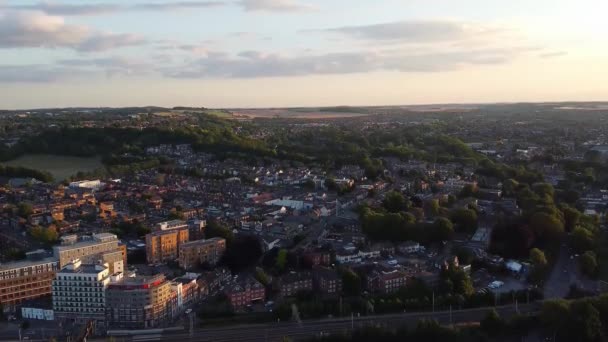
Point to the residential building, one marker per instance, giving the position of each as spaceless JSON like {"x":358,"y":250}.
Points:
{"x":208,"y":251}
{"x":24,"y":280}
{"x":79,"y":292}
{"x":245,"y":292}
{"x":294,"y":282}
{"x":189,"y":289}
{"x":170,"y":225}
{"x":138,"y":302}
{"x":197,"y":229}
{"x":408,"y":247}
{"x":96,"y":249}
{"x":317,"y":258}
{"x":212,"y":281}
{"x":326,"y":281}
{"x":163,"y":245}
{"x":386,"y":281}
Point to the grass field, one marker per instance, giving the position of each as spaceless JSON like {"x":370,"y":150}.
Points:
{"x":61,"y":167}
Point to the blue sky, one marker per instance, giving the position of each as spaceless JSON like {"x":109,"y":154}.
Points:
{"x":256,"y":53}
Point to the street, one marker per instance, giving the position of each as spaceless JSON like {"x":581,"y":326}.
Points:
{"x":566,"y":272}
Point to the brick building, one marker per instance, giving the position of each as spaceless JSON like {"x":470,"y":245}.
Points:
{"x":194,"y":253}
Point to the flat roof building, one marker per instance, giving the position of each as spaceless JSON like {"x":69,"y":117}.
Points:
{"x":138,"y":302}
{"x":163,"y":245}
{"x":194,"y":253}
{"x":99,"y":248}
{"x":24,"y":280}
{"x":79,"y":292}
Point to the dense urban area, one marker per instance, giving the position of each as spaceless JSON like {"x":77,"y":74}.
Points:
{"x":422,"y":223}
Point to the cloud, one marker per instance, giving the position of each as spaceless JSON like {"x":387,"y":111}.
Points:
{"x":110,"y":65}
{"x":257,"y":64}
{"x":37,"y":29}
{"x":414,"y":31}
{"x":53,"y":8}
{"x":275,"y":5}
{"x":107,"y":41}
{"x":38,"y":73}
{"x":252,"y":64}
{"x":180,"y":5}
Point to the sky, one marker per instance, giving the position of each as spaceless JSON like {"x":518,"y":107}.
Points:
{"x":279,"y":53}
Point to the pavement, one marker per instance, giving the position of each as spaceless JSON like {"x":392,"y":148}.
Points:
{"x":315,"y":328}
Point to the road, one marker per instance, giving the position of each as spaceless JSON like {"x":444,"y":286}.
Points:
{"x":566,"y":272}
{"x":277,"y":331}
{"x":41,"y":334}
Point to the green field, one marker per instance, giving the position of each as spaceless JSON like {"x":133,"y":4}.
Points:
{"x":61,"y":167}
{"x":218,"y":113}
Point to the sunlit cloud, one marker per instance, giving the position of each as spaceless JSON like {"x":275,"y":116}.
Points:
{"x":24,"y":29}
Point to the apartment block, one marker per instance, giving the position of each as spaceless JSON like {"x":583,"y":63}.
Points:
{"x":386,"y":281}
{"x":138,"y":302}
{"x":24,"y":280}
{"x":244,"y":292}
{"x":79,"y":292}
{"x":326,"y":281}
{"x":294,"y":282}
{"x":95,"y":249}
{"x":163,"y":245}
{"x":194,"y":253}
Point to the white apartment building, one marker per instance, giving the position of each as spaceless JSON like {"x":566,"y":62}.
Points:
{"x":91,"y":249}
{"x":79,"y":292}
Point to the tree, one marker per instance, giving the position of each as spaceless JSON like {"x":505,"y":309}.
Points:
{"x":465,"y":220}
{"x":24,"y":209}
{"x":582,"y":239}
{"x":217,"y":229}
{"x":469,"y":190}
{"x":509,"y":187}
{"x":442,"y":230}
{"x":492,"y":324}
{"x":585,"y":321}
{"x":588,"y":263}
{"x":546,"y":226}
{"x":394,"y":202}
{"x":571,"y":218}
{"x":281,"y":259}
{"x":160,"y":179}
{"x":434,"y":207}
{"x":555,"y":314}
{"x":50,"y":234}
{"x":175,"y":214}
{"x":544,"y":189}
{"x":539,"y":266}
{"x":456,"y":281}
{"x":261,"y":276}
{"x":451,"y":200}
{"x":465,"y":255}
{"x":351,"y":283}
{"x":538,"y":258}
{"x":243,"y":252}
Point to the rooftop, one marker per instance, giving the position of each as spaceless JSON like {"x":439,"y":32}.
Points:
{"x":88,"y":241}
{"x":138,"y":282}
{"x":83,"y":269}
{"x":25,"y":263}
{"x":204,"y":242}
